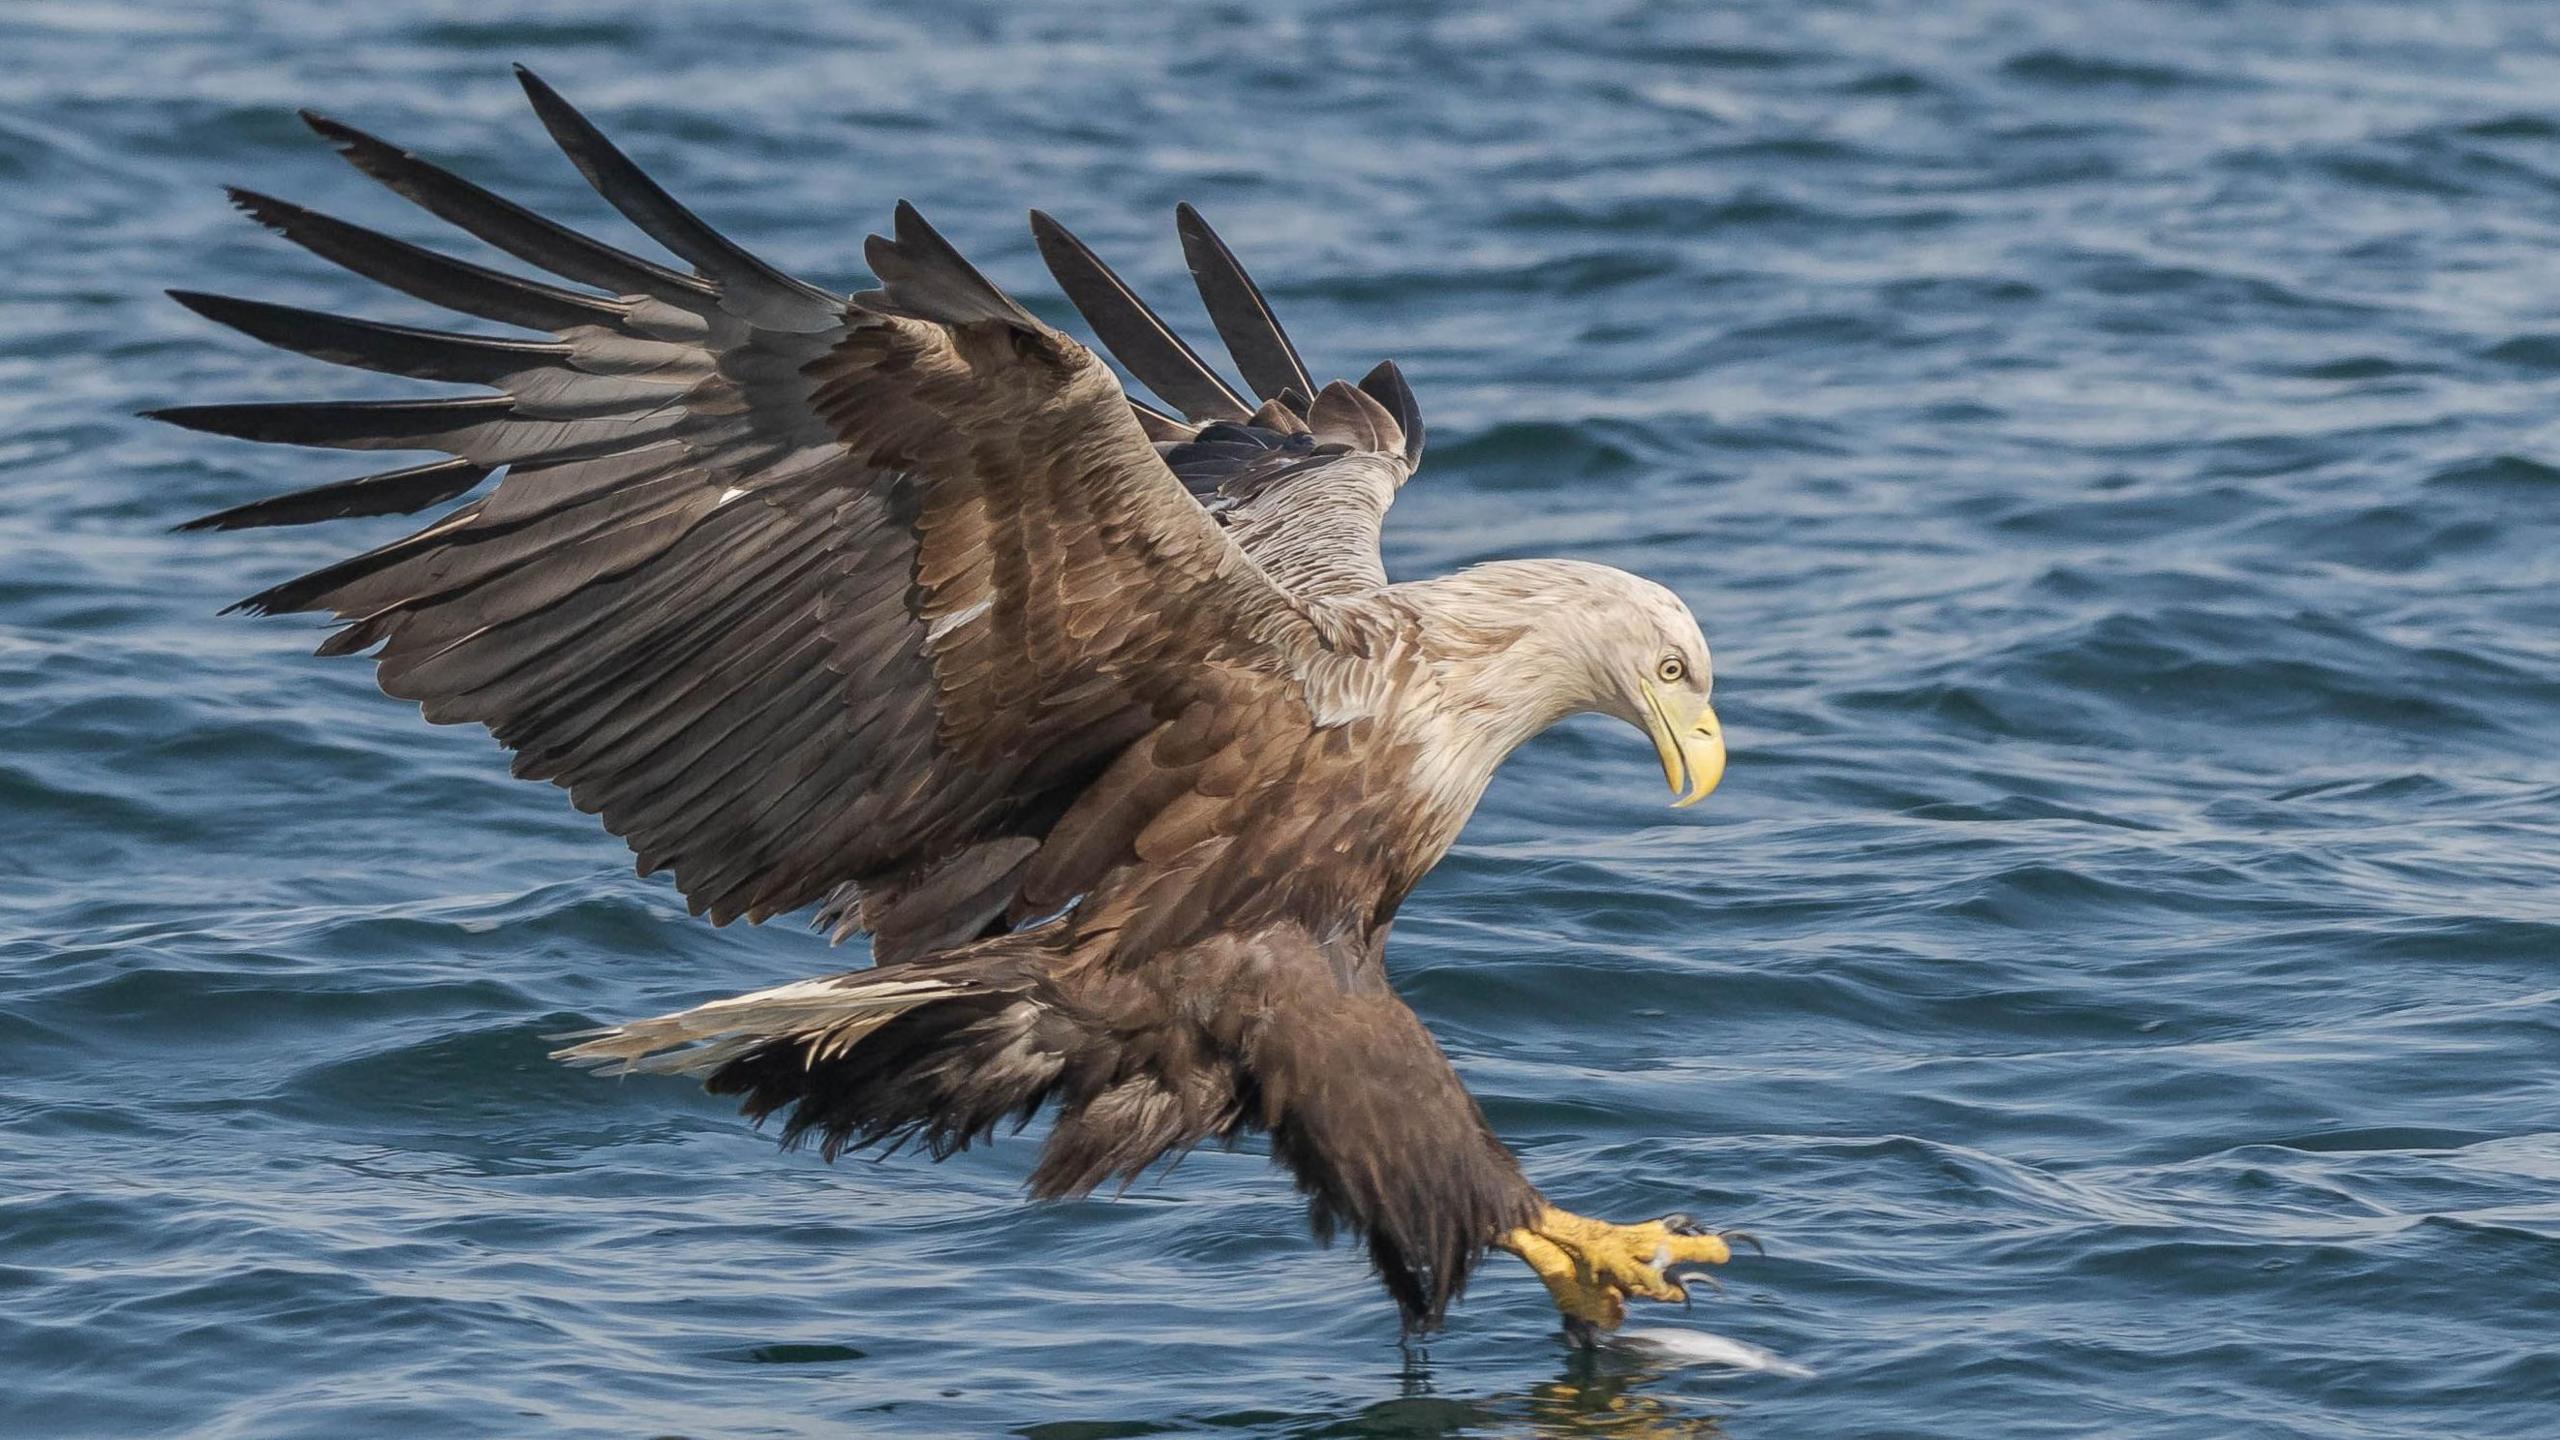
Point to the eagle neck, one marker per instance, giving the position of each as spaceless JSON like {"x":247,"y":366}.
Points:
{"x":1518,"y":646}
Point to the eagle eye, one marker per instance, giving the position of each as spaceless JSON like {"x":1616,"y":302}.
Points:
{"x":1673,"y":669}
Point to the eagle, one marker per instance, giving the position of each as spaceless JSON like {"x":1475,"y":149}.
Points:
{"x":1102,"y":720}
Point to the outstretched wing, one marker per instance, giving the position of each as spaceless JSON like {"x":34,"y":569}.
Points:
{"x":1301,"y":477}
{"x":804,"y":596}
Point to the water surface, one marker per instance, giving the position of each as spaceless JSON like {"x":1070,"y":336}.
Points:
{"x":2112,"y":449}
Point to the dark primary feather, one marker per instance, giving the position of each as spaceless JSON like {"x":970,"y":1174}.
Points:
{"x":1385,"y":384}
{"x":503,"y":223}
{"x":436,"y":279}
{"x":1134,"y":334}
{"x":747,"y":286}
{"x":394,"y":492}
{"x":1236,"y":307}
{"x":371,"y":345}
{"x":924,"y":278}
{"x":343,"y":424}
{"x":303,"y":592}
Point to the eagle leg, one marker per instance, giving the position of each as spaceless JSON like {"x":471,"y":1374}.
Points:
{"x":1592,"y":1266}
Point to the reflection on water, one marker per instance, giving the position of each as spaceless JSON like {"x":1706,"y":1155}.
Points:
{"x":1602,"y":1392}
{"x":1596,"y":1392}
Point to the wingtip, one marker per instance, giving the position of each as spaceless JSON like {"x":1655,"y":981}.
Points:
{"x":1385,"y":383}
{"x":342,"y":137}
{"x":257,"y":204}
{"x":1191,"y":227}
{"x":1386,"y":378}
{"x":185,"y":417}
{"x":1052,"y":239}
{"x":200,"y":302}
{"x":547,"y":102}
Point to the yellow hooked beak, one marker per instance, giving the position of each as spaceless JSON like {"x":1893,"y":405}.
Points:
{"x":1692,"y":753}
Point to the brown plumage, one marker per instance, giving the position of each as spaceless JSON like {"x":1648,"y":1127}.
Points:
{"x":1103,"y":722}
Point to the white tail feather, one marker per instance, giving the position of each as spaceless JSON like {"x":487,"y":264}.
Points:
{"x":828,"y":1016}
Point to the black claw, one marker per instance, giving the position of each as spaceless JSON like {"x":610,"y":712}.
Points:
{"x":1678,"y":1223}
{"x":1683,"y":1275}
{"x":1744,"y":1237}
{"x":1581,"y":1332}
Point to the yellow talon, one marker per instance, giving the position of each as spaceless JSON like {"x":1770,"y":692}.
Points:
{"x":1592,"y":1266}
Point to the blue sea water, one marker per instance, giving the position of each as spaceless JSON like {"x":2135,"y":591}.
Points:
{"x":2114,"y":450}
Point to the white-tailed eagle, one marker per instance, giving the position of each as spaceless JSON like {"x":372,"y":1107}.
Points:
{"x":1103,"y":721}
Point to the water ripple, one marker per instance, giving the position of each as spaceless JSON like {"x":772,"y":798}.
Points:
{"x":2110,"y":451}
